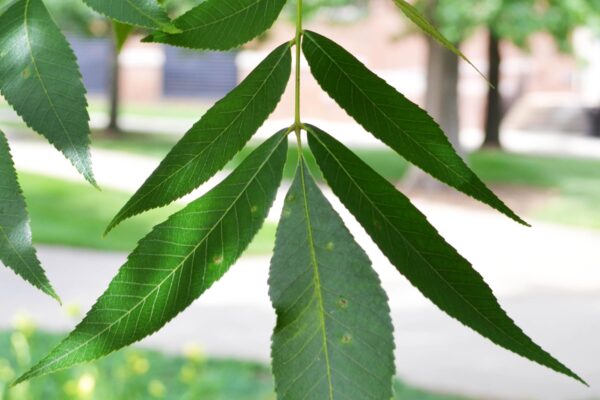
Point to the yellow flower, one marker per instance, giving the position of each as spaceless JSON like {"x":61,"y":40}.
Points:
{"x":72,"y":310}
{"x":157,"y":389}
{"x":70,"y":388}
{"x":187,"y":374}
{"x":7,"y":374}
{"x":86,"y":385}
{"x":23,"y":323}
{"x":138,"y":364}
{"x":194,"y":353}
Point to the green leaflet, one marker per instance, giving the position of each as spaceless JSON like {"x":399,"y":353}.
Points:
{"x":418,"y":19}
{"x":414,"y":246}
{"x":392,"y":118}
{"x":216,"y":138}
{"x":222,"y":24}
{"x":144,"y":13}
{"x":16,"y":250}
{"x":177,"y":262}
{"x":333,"y":338}
{"x":121,"y":33}
{"x":40,"y":79}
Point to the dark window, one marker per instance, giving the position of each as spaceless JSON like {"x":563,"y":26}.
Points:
{"x":199,"y":74}
{"x":94,"y":56}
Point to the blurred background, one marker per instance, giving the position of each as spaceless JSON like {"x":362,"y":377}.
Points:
{"x":535,"y":140}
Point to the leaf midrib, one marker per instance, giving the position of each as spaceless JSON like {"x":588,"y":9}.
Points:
{"x":316,"y":281}
{"x":43,"y":285}
{"x":206,"y":148}
{"x":375,"y":207}
{"x":14,"y":250}
{"x":142,"y":12}
{"x":43,"y":85}
{"x":176,"y":268}
{"x":216,"y":21}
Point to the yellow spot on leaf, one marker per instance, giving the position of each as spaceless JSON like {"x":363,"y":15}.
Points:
{"x":26,"y":73}
{"x":218,"y":260}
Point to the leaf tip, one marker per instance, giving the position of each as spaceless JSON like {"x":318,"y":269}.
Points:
{"x":55,"y":296}
{"x":169,"y":28}
{"x":155,"y":37}
{"x":512,"y":215}
{"x":112,"y":225}
{"x":21,"y":379}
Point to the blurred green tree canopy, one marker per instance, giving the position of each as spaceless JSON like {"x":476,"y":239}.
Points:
{"x":514,"y":20}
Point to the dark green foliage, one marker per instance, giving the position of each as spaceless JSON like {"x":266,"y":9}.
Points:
{"x":392,"y":118}
{"x":177,"y":262}
{"x":418,"y":251}
{"x":333,"y":338}
{"x":146,"y":13}
{"x":222,"y":24}
{"x":216,"y":138}
{"x":40,"y":78}
{"x":16,"y":250}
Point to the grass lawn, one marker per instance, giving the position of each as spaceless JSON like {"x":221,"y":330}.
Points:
{"x":75,"y":214}
{"x":174,"y":109}
{"x":575,"y":181}
{"x":134,"y":374}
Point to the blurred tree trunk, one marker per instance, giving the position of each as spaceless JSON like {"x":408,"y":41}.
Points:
{"x":441,"y":102}
{"x":441,"y":98}
{"x":594,"y":121}
{"x":494,"y":111}
{"x":113,"y":91}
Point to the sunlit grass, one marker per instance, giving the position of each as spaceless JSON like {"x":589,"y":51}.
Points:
{"x":75,"y":214}
{"x":135,"y":374}
{"x":575,"y":183}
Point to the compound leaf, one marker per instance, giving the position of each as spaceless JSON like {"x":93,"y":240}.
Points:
{"x":177,"y":262}
{"x":333,"y":337}
{"x":392,"y":118}
{"x":419,"y":19}
{"x":221,"y":24}
{"x":16,"y":250}
{"x":40,"y":79}
{"x":144,"y":13}
{"x":417,"y":250}
{"x":216,"y":138}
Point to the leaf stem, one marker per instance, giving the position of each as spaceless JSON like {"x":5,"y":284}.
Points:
{"x":299,"y":31}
